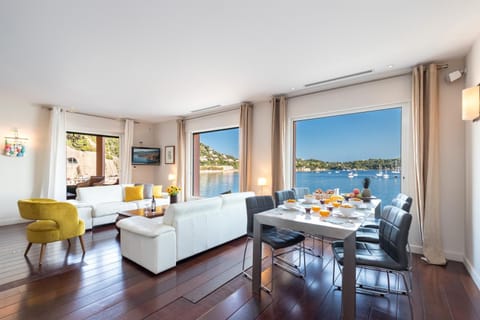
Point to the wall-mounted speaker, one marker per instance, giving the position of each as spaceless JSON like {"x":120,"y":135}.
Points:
{"x":455,"y":75}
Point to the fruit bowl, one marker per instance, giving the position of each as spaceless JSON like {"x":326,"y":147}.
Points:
{"x":347,"y":210}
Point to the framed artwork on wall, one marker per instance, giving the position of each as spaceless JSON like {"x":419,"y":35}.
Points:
{"x":169,"y":154}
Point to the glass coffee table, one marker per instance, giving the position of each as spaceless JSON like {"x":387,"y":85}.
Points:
{"x":159,"y":212}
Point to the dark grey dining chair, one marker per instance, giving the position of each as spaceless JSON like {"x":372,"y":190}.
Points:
{"x":300,"y":192}
{"x":276,"y":238}
{"x":369,"y":230}
{"x":390,"y":254}
{"x":283,"y":195}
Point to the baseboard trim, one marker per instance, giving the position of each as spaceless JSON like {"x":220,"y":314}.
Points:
{"x":6,"y":222}
{"x":449,"y":255}
{"x":471,"y":270}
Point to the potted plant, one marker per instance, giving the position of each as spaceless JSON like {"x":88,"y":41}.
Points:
{"x":173,"y":192}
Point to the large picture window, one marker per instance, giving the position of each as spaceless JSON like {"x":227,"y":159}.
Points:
{"x":215,"y":162}
{"x":340,"y":151}
{"x":92,"y":155}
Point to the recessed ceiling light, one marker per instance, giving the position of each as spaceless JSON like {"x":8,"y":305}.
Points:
{"x":390,"y":66}
{"x":292,"y":88}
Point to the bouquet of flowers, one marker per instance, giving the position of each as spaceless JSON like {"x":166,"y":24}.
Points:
{"x":173,"y":190}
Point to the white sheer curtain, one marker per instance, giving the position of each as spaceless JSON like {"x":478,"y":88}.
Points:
{"x":54,"y":185}
{"x":181,"y":145}
{"x":126,"y":152}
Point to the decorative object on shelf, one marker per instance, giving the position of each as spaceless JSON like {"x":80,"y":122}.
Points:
{"x":173,"y":191}
{"x":15,"y":146}
{"x":169,"y":154}
{"x":471,"y":103}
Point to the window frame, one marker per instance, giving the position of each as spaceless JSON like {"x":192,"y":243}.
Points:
{"x":195,"y":175}
{"x":405,"y":147}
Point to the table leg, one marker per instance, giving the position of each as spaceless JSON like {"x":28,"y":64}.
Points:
{"x":257,"y":258}
{"x":348,"y":278}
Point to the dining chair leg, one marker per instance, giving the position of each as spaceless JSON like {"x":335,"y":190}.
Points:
{"x":28,"y":248}
{"x":69,"y":243}
{"x":82,"y":244}
{"x":42,"y":250}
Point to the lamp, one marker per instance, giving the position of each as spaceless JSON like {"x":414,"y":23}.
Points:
{"x":262,"y":182}
{"x":15,"y":146}
{"x":171,"y":177}
{"x":471,"y":103}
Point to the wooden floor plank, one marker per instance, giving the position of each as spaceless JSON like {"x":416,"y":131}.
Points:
{"x":103,"y":285}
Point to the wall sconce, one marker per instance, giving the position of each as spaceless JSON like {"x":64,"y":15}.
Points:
{"x":15,"y":146}
{"x":471,"y":103}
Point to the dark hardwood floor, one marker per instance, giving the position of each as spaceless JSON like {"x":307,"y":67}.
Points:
{"x":102,"y":285}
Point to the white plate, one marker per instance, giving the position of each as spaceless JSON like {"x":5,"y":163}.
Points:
{"x":296,"y":208}
{"x":354,"y":215}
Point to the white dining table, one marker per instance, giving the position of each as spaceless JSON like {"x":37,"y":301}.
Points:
{"x":333,"y":227}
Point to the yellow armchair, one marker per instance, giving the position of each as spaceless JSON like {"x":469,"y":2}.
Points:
{"x":55,"y":221}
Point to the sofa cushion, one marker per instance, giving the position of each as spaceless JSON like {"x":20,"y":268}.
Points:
{"x":100,"y":194}
{"x":133,"y":193}
{"x":157,"y":191}
{"x":144,"y":226}
{"x":147,"y":191}
{"x":109,"y":208}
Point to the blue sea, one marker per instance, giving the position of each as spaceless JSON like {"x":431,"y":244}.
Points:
{"x":212,"y":184}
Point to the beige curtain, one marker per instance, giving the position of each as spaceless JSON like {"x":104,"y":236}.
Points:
{"x":426,"y":160}
{"x":181,"y":158}
{"x":279,"y":111}
{"x":246,"y":123}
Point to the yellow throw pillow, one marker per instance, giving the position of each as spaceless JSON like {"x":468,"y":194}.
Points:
{"x":133,"y":193}
{"x":157,"y":191}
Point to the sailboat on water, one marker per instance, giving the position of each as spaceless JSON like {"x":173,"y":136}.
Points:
{"x":380,"y":172}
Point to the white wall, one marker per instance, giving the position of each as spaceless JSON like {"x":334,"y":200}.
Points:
{"x":21,"y":177}
{"x":166,"y":135}
{"x":144,"y":136}
{"x":472,"y":173}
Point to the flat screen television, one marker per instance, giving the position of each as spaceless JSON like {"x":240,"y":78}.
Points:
{"x":145,"y":156}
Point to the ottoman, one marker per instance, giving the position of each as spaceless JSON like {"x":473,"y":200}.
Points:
{"x":148,"y":242}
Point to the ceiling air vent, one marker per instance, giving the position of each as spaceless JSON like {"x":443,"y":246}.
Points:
{"x":338,"y":78}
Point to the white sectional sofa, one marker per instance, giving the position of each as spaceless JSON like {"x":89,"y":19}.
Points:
{"x":99,"y":205}
{"x":187,"y":228}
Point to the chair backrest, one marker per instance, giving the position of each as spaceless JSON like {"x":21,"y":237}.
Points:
{"x":283,"y":195}
{"x":300,"y":192}
{"x":402,"y":201}
{"x":255,"y":205}
{"x":393,"y":233}
{"x":63,"y":213}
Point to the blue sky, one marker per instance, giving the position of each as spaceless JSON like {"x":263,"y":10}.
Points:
{"x":224,"y":141}
{"x":357,"y":136}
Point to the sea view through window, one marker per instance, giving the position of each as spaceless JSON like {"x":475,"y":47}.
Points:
{"x":331,"y":152}
{"x":216,"y":162}
{"x":340,"y":151}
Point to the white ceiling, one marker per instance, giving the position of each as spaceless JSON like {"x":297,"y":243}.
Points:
{"x":154,"y":60}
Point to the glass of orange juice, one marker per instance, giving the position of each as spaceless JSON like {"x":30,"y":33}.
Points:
{"x":315,"y":208}
{"x":324,"y":213}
